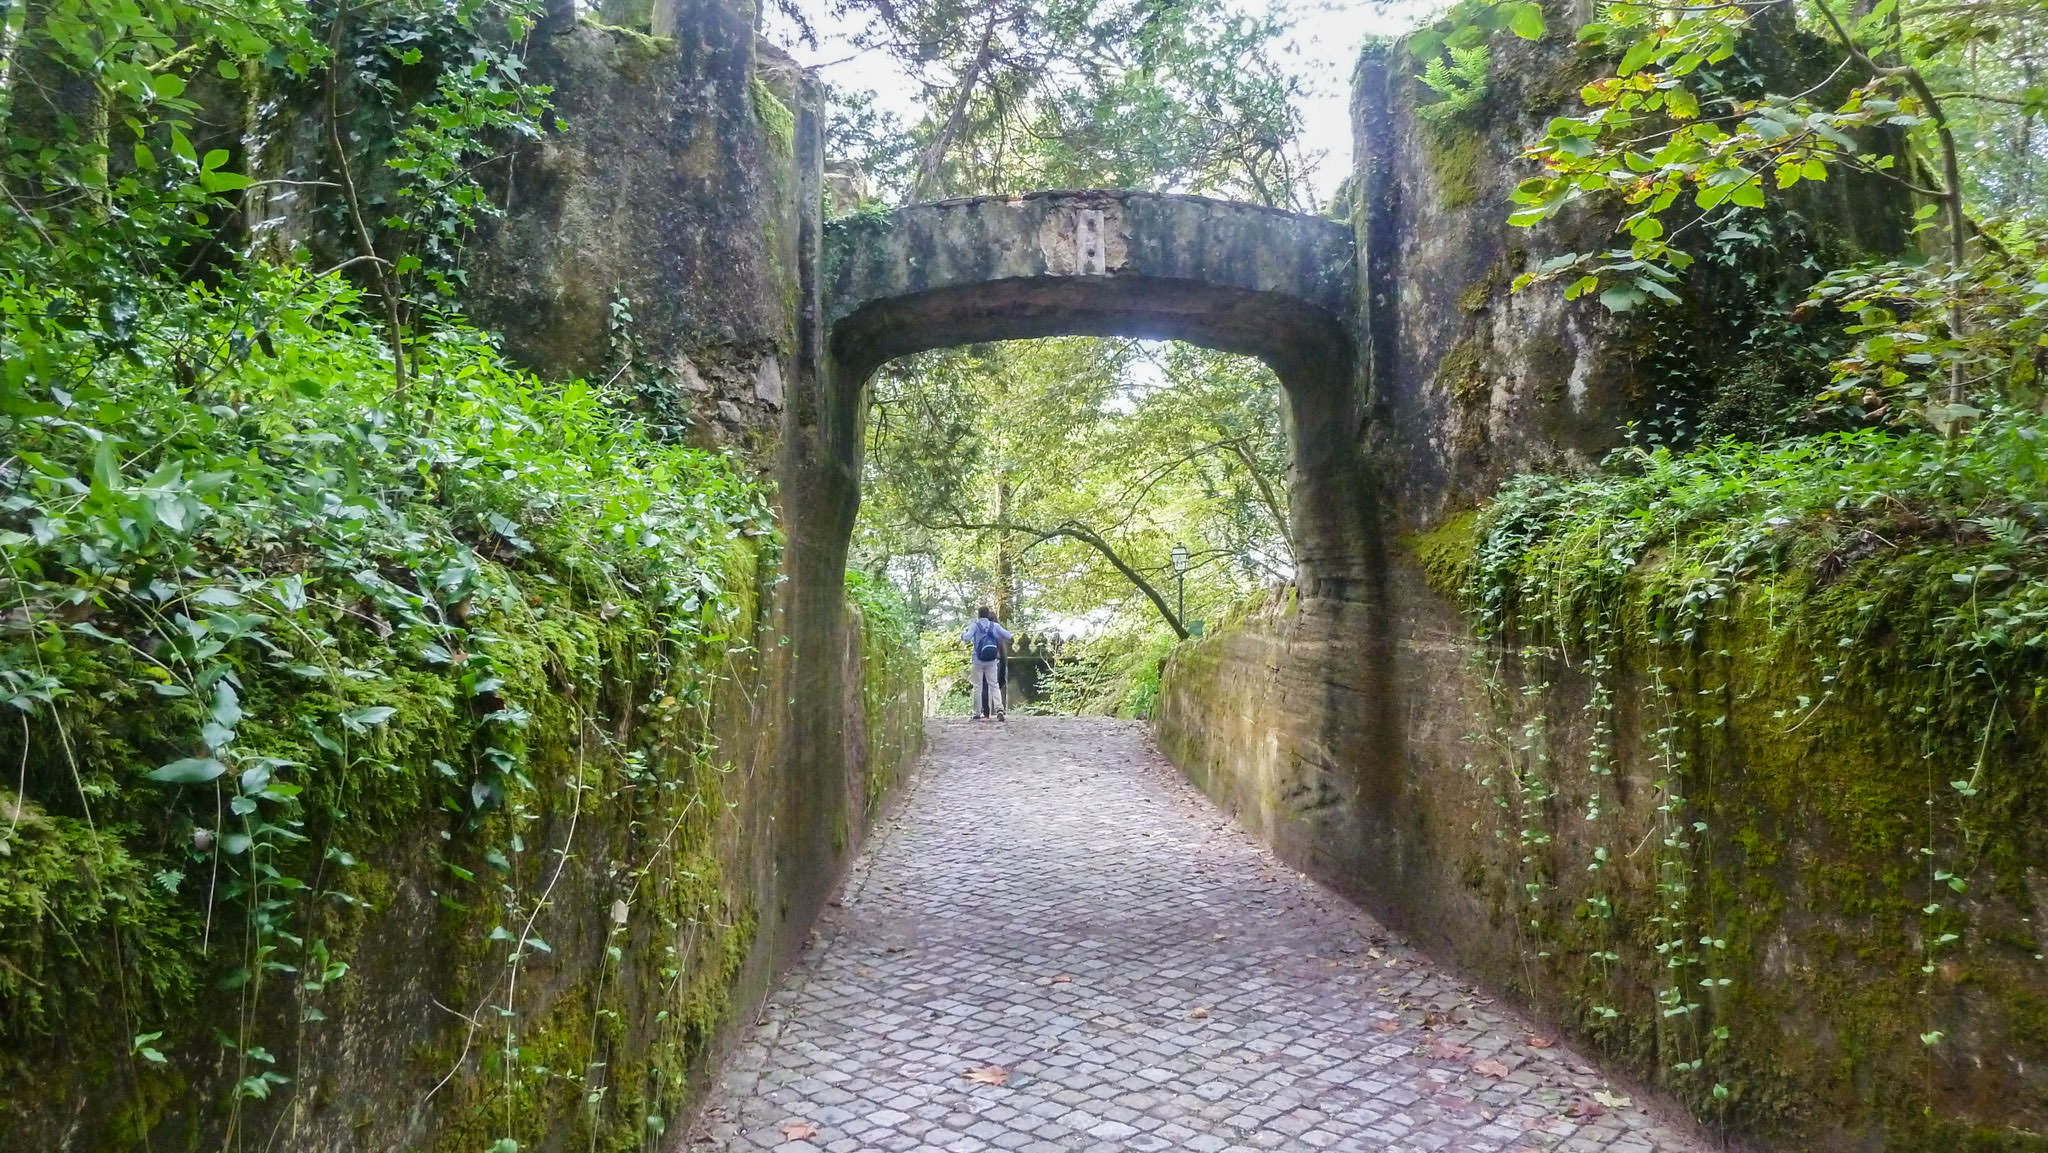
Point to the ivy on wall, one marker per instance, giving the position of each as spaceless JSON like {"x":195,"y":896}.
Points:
{"x":308,"y":595}
{"x":1689,"y":647}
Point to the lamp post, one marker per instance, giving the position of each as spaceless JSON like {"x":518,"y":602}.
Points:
{"x":1180,"y":572}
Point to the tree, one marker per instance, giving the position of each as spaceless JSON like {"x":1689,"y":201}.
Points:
{"x":1085,"y":93}
{"x":1061,"y":473}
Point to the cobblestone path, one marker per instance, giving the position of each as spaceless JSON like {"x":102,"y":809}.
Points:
{"x":1054,"y":911}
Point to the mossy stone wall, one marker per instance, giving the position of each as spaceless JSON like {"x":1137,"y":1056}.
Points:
{"x":1732,"y":860}
{"x":1467,"y":383}
{"x":676,"y":818}
{"x":638,"y":847}
{"x":1719,"y":861}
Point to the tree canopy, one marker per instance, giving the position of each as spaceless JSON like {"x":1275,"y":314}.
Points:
{"x":1018,"y":96}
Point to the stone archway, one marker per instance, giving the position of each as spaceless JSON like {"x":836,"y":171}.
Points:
{"x":1246,"y":279}
{"x":1275,"y":285}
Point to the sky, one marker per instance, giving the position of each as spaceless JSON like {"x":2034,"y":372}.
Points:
{"x":1324,"y":42}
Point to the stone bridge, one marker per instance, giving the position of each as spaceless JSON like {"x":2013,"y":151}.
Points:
{"x":1242,"y":278}
{"x":1238,"y":277}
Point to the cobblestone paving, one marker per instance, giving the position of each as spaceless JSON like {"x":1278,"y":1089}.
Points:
{"x":1054,"y":909}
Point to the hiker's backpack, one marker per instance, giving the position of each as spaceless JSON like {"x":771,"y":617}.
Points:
{"x":985,"y":646}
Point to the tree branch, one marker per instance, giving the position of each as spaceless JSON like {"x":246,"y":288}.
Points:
{"x":1074,"y":530}
{"x":935,"y":155}
{"x":1951,"y":167}
{"x":1274,"y":508}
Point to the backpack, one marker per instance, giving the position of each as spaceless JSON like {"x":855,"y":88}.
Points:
{"x":985,"y":646}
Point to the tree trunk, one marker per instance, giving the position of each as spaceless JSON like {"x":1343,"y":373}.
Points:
{"x":635,"y":14}
{"x":1006,"y":556}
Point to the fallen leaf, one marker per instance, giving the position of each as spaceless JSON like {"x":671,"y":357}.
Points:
{"x":798,"y":1130}
{"x":1580,"y":1107}
{"x":1387,"y":1026}
{"x":1536,"y":1042}
{"x":1448,"y":1051}
{"x":1198,"y":1014}
{"x":1612,"y":1100}
{"x":1490,"y":1067}
{"x":987,"y":1075}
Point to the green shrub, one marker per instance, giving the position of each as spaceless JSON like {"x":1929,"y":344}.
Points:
{"x":260,"y":614}
{"x":1114,"y":674}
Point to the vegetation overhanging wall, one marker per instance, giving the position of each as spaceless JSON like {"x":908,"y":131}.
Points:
{"x":456,"y":811}
{"x":1765,"y":830}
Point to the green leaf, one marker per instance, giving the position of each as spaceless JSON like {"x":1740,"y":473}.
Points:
{"x":190,"y":771}
{"x":223,"y":181}
{"x":256,"y":780}
{"x":147,"y":1051}
{"x":1657,"y":290}
{"x":1525,"y":20}
{"x":1640,"y":53}
{"x":227,"y":705}
{"x":364,"y":719}
{"x":1622,"y":297}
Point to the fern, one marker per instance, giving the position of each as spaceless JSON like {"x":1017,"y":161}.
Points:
{"x":1460,"y":80}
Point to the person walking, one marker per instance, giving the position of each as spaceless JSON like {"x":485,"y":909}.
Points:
{"x":985,"y":640}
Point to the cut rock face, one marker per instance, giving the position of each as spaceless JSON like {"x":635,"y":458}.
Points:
{"x":768,"y":383}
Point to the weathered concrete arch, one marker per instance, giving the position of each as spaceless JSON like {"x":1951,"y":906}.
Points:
{"x":1257,"y":281}
{"x":1239,"y":277}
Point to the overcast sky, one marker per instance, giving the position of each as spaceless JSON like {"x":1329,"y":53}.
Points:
{"x":1324,"y":42}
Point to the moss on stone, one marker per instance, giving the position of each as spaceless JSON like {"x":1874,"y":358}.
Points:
{"x":1802,"y":732}
{"x":775,"y":117}
{"x":645,"y":46}
{"x":1447,"y":552}
{"x":1454,"y":151}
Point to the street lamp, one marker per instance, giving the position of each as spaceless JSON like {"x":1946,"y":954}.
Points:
{"x":1180,"y":572}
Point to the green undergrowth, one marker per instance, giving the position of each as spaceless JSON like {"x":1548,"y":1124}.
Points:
{"x":1112,"y":674}
{"x":1765,"y":767}
{"x":892,"y":678}
{"x":267,"y":623}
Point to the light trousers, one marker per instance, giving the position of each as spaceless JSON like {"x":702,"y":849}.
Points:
{"x":986,"y":693}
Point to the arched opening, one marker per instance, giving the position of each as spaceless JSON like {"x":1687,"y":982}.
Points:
{"x":1103,"y":496}
{"x":1274,"y":285}
{"x":1243,"y":279}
